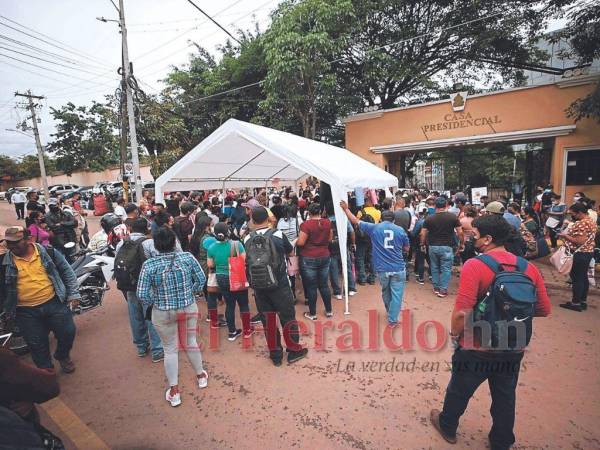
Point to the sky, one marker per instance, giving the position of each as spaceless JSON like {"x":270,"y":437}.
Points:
{"x":82,"y":53}
{"x":159,"y":34}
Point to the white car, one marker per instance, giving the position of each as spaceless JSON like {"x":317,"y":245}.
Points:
{"x":62,"y":188}
{"x":2,"y":195}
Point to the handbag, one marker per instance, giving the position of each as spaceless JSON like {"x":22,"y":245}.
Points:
{"x":552,"y":223}
{"x":562,"y":260}
{"x":293,"y":264}
{"x":237,"y":270}
{"x":211,"y":283}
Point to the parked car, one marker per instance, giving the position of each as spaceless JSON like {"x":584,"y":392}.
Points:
{"x":84,"y":191}
{"x":59,"y":189}
{"x":99,"y":187}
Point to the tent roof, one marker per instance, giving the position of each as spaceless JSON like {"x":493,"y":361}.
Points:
{"x":240,"y":154}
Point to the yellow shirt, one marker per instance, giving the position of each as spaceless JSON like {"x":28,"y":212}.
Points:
{"x":34,"y":286}
{"x":373,"y":212}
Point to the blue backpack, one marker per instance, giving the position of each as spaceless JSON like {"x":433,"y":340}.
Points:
{"x":508,"y":307}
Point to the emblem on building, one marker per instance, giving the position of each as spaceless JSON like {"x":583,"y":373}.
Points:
{"x":458,"y":100}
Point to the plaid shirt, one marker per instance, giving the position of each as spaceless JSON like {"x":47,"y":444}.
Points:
{"x":170,"y":280}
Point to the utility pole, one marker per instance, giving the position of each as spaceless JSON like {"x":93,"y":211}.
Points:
{"x":130,"y":111}
{"x":123,"y":143}
{"x":38,"y":143}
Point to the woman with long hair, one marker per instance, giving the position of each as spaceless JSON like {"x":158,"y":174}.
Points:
{"x":168,"y":282}
{"x":218,"y":261}
{"x":313,"y":241}
{"x":289,"y":225}
{"x":201,"y":240}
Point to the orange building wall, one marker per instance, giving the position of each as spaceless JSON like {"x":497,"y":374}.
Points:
{"x":512,"y":110}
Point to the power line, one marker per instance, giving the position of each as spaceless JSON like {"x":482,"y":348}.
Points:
{"x":184,"y":33}
{"x":42,"y":67}
{"x":89,"y":80}
{"x":47,"y":60}
{"x":46,"y":52}
{"x":73,"y":51}
{"x":215,"y":22}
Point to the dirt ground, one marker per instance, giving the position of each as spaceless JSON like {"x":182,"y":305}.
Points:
{"x":359,"y":398}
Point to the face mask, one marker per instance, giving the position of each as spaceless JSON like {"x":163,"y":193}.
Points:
{"x":576,"y":199}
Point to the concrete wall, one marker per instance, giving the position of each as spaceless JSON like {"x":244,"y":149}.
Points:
{"x":79,"y":178}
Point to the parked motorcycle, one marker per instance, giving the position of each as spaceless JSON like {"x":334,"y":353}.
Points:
{"x":94,"y":271}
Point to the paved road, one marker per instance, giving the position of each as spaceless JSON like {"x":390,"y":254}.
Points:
{"x":333,"y":399}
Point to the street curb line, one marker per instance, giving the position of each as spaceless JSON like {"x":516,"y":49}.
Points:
{"x":71,"y":425}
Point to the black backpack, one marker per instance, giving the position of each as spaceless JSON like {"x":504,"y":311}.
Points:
{"x":365,"y":217}
{"x":508,"y":307}
{"x":128,"y":264}
{"x":265,"y":265}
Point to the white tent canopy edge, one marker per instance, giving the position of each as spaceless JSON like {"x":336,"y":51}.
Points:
{"x":239,"y":154}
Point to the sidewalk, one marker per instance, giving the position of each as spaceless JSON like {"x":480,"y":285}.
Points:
{"x":556,"y":281}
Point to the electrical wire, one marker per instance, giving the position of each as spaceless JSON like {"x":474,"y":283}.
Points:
{"x":42,"y":67}
{"x":47,"y":60}
{"x":215,"y":22}
{"x":73,"y":49}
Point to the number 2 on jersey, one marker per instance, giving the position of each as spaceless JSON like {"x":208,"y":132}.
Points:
{"x":389,"y":238}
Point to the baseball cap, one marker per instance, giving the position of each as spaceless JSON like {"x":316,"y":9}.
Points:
{"x":52,"y":201}
{"x":495,"y":208}
{"x":440,"y":202}
{"x":14,"y":234}
{"x":251,"y":204}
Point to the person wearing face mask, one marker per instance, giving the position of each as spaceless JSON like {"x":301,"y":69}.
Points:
{"x":472,"y":364}
{"x":579,"y":239}
{"x":62,"y":224}
{"x":556,"y":217}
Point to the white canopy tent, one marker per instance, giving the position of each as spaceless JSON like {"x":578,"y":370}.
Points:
{"x":239,"y":154}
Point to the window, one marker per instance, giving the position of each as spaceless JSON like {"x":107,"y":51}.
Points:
{"x":583,"y":167}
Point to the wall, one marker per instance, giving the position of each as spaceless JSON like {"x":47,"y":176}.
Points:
{"x":534,"y":107}
{"x":79,"y":178}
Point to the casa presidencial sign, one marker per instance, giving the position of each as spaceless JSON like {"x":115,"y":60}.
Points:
{"x":458,"y":118}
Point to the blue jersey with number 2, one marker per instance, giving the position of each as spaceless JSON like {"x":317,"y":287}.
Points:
{"x":387,"y":240}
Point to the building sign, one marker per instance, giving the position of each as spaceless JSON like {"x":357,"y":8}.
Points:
{"x":458,"y":100}
{"x":453,"y":121}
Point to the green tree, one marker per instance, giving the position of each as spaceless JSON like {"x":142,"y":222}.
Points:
{"x":8,"y":167}
{"x":299,"y":46}
{"x":86,"y":137}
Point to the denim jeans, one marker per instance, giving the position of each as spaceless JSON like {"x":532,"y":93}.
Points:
{"x":579,"y":270}
{"x":231,"y":299}
{"x":140,"y":327}
{"x":469,"y":370}
{"x":441,"y":257}
{"x":364,"y":262}
{"x":392,"y":290}
{"x":315,"y":274}
{"x":335,"y":269}
{"x":36,"y":322}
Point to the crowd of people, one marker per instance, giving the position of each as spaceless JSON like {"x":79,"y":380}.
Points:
{"x":224,"y":246}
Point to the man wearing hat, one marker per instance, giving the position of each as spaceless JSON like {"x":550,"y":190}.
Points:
{"x":38,"y":286}
{"x":389,"y":242}
{"x":515,"y":243}
{"x":438,"y":234}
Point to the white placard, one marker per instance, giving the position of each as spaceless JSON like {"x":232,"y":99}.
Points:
{"x":477,"y":193}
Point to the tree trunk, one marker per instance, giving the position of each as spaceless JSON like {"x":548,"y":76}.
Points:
{"x":402,"y":174}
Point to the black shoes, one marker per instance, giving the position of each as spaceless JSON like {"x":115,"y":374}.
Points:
{"x":574,"y":306}
{"x":297,"y":356}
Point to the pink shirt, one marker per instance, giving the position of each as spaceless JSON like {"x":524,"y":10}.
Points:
{"x":41,"y":236}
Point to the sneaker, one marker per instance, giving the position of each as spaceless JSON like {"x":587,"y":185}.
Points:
{"x":371,"y":282}
{"x":255,"y":320}
{"x":338,"y":296}
{"x":67,"y":365}
{"x":436,"y":291}
{"x":352,"y":293}
{"x":276,"y":362}
{"x":249,"y":333}
{"x":221,"y":323}
{"x":208,"y":319}
{"x":583,"y":306}
{"x":434,"y":418}
{"x":329,"y":314}
{"x":158,"y":357}
{"x":362,"y":283}
{"x":420,"y":281}
{"x":142,"y":352}
{"x":203,"y":381}
{"x":308,"y":316}
{"x":297,"y":356}
{"x":442,"y":293}
{"x":233,"y":336}
{"x":174,"y":400}
{"x":572,"y":306}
